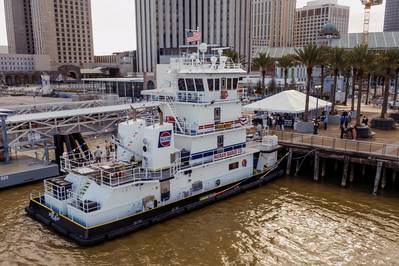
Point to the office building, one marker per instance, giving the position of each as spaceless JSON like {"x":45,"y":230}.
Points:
{"x":273,"y":22}
{"x":61,"y":29}
{"x":391,"y":21}
{"x":161,"y":27}
{"x":310,"y":19}
{"x":19,"y":26}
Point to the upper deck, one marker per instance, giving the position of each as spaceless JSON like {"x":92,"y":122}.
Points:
{"x":198,"y":79}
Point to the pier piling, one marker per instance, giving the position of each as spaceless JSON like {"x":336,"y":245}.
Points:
{"x":289,"y":161}
{"x":316,"y":166}
{"x":345,"y":173}
{"x":393,"y":176}
{"x":352,"y":174}
{"x":363,"y":170}
{"x":384,"y":178}
{"x":323,"y":168}
{"x":377,"y":177}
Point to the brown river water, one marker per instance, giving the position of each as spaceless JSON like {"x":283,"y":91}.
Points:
{"x":288,"y":222}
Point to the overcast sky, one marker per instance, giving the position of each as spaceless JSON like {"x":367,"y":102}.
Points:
{"x":114,"y":23}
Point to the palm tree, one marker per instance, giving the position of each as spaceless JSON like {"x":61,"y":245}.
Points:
{"x":389,"y":61}
{"x":286,"y":63}
{"x":309,"y":57}
{"x":323,"y":63}
{"x":263,"y":63}
{"x":234,"y":56}
{"x":337,"y":63}
{"x":360,"y":58}
{"x":347,"y":73}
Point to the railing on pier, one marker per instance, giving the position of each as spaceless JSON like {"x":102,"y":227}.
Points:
{"x":346,"y":145}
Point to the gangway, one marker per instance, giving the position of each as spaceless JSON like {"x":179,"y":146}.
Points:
{"x":31,"y":131}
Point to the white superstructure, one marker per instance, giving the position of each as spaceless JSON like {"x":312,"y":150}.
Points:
{"x":196,"y":144}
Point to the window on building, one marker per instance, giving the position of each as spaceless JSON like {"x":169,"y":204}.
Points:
{"x":233,"y":166}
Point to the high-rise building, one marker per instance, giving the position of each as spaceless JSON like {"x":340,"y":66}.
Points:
{"x":273,"y":22}
{"x":19,"y":26}
{"x":161,"y":26}
{"x":61,"y":29}
{"x":310,"y":19}
{"x":391,"y":22}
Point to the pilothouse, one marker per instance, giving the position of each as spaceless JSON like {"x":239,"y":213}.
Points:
{"x":193,"y":153}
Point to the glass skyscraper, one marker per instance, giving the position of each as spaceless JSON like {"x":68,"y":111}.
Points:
{"x":391,"y":22}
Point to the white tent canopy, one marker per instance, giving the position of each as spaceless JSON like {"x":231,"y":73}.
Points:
{"x":292,"y":102}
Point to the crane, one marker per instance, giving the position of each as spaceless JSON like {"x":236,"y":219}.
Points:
{"x":366,"y":25}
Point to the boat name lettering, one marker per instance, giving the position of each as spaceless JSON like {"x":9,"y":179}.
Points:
{"x":225,"y":154}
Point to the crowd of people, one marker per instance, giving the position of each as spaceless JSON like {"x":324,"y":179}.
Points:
{"x":347,"y":130}
{"x":279,"y":121}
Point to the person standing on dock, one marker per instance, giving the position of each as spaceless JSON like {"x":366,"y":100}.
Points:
{"x":97,"y":154}
{"x":107,"y":150}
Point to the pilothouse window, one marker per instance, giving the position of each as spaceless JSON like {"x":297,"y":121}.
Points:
{"x":229,"y":84}
{"x":210,"y":84}
{"x":182,"y":85}
{"x":235,"y":84}
{"x":190,"y":84}
{"x":199,"y":84}
{"x":217,"y":84}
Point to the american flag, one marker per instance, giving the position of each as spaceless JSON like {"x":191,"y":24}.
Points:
{"x":193,"y":36}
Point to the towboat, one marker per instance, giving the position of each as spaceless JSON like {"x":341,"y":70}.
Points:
{"x":190,"y":153}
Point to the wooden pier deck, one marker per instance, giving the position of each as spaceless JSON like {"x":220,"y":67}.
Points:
{"x":375,"y":149}
{"x":353,"y":153}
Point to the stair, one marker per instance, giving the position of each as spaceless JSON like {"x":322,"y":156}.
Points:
{"x":83,"y":190}
{"x":175,"y":113}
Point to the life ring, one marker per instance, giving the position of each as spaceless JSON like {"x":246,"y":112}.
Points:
{"x":244,"y":163}
{"x":224,"y":94}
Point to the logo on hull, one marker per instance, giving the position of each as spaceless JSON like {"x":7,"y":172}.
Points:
{"x":165,"y":139}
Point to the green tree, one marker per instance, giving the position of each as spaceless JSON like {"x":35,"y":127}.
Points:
{"x":263,"y":63}
{"x":323,"y":62}
{"x":389,"y":62}
{"x":360,"y":58}
{"x":337,"y":63}
{"x":285,"y":63}
{"x":234,"y":56}
{"x":309,"y":57}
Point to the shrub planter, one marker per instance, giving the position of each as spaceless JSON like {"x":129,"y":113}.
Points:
{"x":304,"y":127}
{"x":363,"y":132}
{"x":395,"y":116}
{"x":383,"y":123}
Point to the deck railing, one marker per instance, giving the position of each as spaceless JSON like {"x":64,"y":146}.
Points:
{"x":346,"y":145}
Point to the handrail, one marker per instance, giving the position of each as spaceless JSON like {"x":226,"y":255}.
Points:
{"x":367,"y":147}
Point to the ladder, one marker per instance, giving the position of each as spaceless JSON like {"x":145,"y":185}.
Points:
{"x":83,"y":190}
{"x":171,"y":104}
